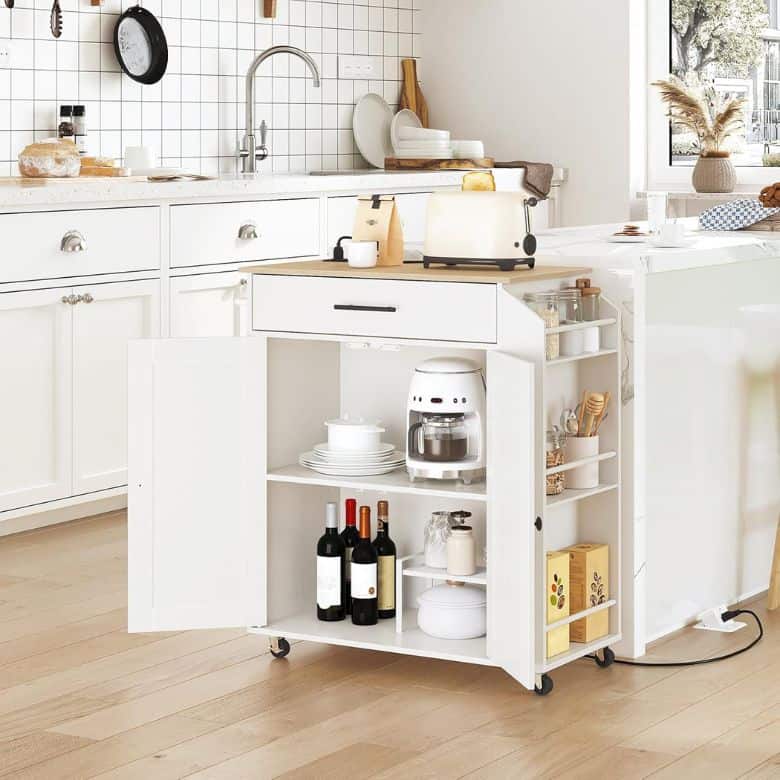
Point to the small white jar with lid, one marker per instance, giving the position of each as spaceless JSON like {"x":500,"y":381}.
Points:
{"x":461,"y":551}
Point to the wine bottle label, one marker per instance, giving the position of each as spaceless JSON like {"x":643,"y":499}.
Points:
{"x":363,"y":580}
{"x":328,"y":582}
{"x":386,"y":575}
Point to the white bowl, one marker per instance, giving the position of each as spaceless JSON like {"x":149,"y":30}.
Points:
{"x":453,"y":612}
{"x":354,"y":435}
{"x":422,"y":134}
{"x":462,"y":150}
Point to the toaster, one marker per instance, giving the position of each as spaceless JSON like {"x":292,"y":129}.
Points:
{"x":479,"y":228}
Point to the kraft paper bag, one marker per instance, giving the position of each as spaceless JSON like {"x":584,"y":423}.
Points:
{"x":377,"y":220}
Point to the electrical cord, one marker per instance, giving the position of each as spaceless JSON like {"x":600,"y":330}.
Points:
{"x":730,"y":615}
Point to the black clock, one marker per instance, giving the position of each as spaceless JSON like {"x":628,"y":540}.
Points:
{"x":140,"y":45}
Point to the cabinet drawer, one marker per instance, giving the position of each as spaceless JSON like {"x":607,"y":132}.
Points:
{"x":114,"y":241}
{"x":212,"y":233}
{"x":440,"y":311}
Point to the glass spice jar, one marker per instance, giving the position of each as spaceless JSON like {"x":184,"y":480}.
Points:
{"x":546,"y":305}
{"x":570,"y":306}
{"x":554,"y":456}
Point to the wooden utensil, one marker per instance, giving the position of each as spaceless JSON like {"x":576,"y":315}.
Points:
{"x":581,"y":412}
{"x":600,"y":419}
{"x":593,"y":408}
{"x":411,"y":94}
{"x":269,"y":8}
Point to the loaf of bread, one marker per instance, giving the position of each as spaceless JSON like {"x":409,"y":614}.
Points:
{"x":51,"y":158}
{"x":770,"y":196}
{"x":479,"y":181}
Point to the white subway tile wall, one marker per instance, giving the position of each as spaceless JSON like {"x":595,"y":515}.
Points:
{"x":194,"y":117}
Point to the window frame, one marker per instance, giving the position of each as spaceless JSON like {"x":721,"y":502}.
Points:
{"x":661,"y":174}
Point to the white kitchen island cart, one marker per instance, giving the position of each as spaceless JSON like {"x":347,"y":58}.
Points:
{"x":223,"y":523}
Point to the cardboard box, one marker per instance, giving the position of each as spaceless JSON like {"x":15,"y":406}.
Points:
{"x":558,"y":601}
{"x":589,"y":587}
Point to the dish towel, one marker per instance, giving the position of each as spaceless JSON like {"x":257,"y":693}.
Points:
{"x":736,"y":215}
{"x":538,"y":176}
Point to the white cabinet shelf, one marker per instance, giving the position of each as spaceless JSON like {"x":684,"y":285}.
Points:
{"x":580,"y":615}
{"x":415,"y":567}
{"x":581,"y":326}
{"x":382,"y":636}
{"x":577,"y":650}
{"x":395,"y":482}
{"x":570,"y":496}
{"x":584,"y":356}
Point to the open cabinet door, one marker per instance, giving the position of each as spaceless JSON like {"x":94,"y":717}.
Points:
{"x":196,"y":512}
{"x":511,"y":514}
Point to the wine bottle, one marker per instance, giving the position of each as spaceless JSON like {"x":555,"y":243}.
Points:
{"x":350,"y":538}
{"x":331,"y":583}
{"x":385,"y":552}
{"x":364,"y":603}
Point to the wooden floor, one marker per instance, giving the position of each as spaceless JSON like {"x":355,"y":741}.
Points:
{"x":80,"y":698}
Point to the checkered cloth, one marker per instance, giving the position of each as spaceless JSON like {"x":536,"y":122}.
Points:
{"x":736,"y":215}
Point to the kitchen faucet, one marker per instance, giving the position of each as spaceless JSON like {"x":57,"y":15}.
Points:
{"x":251,"y":153}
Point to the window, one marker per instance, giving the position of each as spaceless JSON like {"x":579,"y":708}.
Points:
{"x":730,"y":48}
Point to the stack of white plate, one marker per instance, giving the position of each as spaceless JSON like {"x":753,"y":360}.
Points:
{"x":411,"y":140}
{"x":348,"y":463}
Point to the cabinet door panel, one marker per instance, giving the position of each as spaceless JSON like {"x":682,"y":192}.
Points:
{"x":101,"y":330}
{"x":511,"y":492}
{"x":208,"y":305}
{"x":197,"y":467}
{"x":35,"y":397}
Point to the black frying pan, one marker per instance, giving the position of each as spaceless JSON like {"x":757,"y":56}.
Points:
{"x":140,"y":45}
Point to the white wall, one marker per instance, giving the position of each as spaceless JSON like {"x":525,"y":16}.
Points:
{"x":546,"y":81}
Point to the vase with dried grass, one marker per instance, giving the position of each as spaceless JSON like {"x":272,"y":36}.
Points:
{"x":714,"y":120}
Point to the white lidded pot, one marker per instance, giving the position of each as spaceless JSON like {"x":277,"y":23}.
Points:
{"x":354,"y":435}
{"x":453,"y":611}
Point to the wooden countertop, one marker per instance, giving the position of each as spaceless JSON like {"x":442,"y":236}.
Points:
{"x":414,"y":272}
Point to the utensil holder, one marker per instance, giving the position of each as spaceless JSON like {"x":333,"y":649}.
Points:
{"x":587,"y":476}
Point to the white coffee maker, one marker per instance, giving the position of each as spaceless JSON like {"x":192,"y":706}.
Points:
{"x":445,"y":415}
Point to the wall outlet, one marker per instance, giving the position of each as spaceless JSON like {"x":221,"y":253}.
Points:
{"x":5,"y":53}
{"x":352,"y":66}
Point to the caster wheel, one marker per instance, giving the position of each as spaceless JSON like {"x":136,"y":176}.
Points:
{"x":607,"y":660}
{"x":547,"y":686}
{"x":284,"y":648}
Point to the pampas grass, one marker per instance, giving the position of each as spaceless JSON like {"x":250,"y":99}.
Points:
{"x":713,"y":121}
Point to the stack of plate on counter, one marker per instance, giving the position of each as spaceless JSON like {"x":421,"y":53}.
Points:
{"x":412,"y":141}
{"x":354,"y":449}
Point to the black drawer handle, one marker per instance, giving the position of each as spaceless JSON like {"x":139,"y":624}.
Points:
{"x":350,"y":307}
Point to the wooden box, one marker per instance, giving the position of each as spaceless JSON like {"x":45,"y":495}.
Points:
{"x":589,"y":587}
{"x":558,"y":601}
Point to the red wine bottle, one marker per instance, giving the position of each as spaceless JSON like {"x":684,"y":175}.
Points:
{"x":385,"y":552}
{"x":364,"y":595}
{"x":331,"y":583}
{"x":350,"y":537}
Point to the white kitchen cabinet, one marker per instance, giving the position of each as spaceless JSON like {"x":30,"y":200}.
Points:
{"x":35,"y":397}
{"x":223,"y":522}
{"x":209,"y":305}
{"x":106,"y":317}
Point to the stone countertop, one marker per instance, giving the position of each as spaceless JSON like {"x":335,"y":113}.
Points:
{"x":18,"y":192}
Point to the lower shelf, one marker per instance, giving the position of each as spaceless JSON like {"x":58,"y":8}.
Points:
{"x":577,"y":650}
{"x":382,"y":636}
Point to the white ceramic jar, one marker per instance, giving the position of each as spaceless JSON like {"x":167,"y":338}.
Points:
{"x":453,"y":611}
{"x":461,"y":551}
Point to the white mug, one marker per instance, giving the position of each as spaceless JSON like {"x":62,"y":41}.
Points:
{"x":140,"y":157}
{"x":671,"y":234}
{"x":362,"y":254}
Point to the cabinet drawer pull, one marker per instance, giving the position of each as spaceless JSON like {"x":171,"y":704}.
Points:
{"x":73,"y":241}
{"x":248,"y":232}
{"x":350,"y":307}
{"x":87,"y":298}
{"x":71,"y":299}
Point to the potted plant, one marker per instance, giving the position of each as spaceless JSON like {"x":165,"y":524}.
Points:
{"x":713,"y":121}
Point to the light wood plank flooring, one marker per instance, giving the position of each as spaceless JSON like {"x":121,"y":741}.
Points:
{"x":80,"y":698}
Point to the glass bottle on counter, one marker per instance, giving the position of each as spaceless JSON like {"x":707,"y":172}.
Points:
{"x":331,"y":595}
{"x":65,"y":128}
{"x":364,"y":575}
{"x":547,"y":306}
{"x":350,"y":537}
{"x":554,"y":456}
{"x":385,"y":551}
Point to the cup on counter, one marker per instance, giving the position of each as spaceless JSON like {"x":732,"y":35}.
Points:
{"x":140,"y":157}
{"x":362,"y":254}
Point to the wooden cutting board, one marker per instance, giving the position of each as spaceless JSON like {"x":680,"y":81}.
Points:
{"x":411,"y":94}
{"x":413,"y":164}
